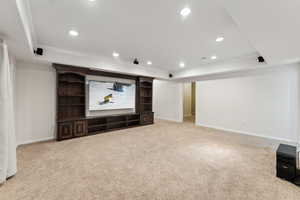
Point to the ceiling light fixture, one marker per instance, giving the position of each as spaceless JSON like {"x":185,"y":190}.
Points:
{"x":92,"y":0}
{"x":185,"y":12}
{"x":149,"y":63}
{"x":219,"y":39}
{"x":181,"y":65}
{"x":73,"y":33}
{"x":115,"y":54}
{"x":213,"y":57}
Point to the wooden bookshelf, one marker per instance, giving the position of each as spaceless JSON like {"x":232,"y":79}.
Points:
{"x":70,"y":98}
{"x":71,"y":104}
{"x":145,"y":100}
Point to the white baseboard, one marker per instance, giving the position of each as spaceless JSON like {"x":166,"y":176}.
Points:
{"x":36,"y":140}
{"x":249,"y":133}
{"x":168,"y":119}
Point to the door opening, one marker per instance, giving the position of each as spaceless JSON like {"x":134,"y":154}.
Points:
{"x":189,"y":102}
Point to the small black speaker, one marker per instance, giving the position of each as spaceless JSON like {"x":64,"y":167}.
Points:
{"x":39,"y":51}
{"x":170,"y":75}
{"x":136,"y":61}
{"x":286,"y":162}
{"x":260,"y":59}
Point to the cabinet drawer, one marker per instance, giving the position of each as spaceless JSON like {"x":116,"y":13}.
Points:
{"x":147,"y":118}
{"x":80,"y":128}
{"x":65,"y":130}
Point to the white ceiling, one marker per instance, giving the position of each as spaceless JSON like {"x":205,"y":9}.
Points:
{"x":11,"y":29}
{"x":154,"y":30}
{"x":272,"y":26}
{"x":150,"y":30}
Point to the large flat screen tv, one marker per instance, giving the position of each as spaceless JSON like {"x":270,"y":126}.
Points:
{"x":109,"y":95}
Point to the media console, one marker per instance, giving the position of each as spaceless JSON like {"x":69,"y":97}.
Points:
{"x":71,"y":117}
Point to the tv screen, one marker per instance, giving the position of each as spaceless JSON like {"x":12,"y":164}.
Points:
{"x":108,"y":95}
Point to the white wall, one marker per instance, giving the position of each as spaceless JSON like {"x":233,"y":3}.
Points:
{"x":187,"y":99}
{"x":264,"y":105}
{"x":36,"y":102}
{"x":168,"y":100}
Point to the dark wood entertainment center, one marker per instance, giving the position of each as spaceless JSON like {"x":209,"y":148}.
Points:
{"x":71,"y":117}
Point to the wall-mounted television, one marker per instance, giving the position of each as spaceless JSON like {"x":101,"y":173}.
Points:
{"x":111,"y":95}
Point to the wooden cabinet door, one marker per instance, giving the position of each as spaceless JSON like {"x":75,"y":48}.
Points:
{"x":80,"y":128}
{"x":147,"y":118}
{"x":65,"y":130}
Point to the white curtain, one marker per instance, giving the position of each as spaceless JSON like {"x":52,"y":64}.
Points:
{"x":7,"y":115}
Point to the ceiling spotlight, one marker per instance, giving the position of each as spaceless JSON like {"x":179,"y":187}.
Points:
{"x":213,"y":57}
{"x":185,"y":12}
{"x":181,"y":65}
{"x":149,"y":63}
{"x":115,"y":54}
{"x":73,"y":33}
{"x":219,"y":39}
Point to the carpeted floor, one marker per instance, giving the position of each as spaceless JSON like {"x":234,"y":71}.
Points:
{"x":162,"y":161}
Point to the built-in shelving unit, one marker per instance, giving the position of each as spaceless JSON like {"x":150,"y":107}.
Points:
{"x":107,"y":123}
{"x":71,"y":96}
{"x":145,"y":85}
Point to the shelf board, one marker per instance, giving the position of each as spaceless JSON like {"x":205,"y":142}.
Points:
{"x":147,"y":87}
{"x":146,"y":111}
{"x":115,"y":129}
{"x":71,"y":81}
{"x":133,"y":126}
{"x":71,"y":119}
{"x":134,"y":120}
{"x":119,"y":122}
{"x":96,"y":126}
{"x":112,"y":129}
{"x":80,"y":104}
{"x":146,"y":96}
{"x":77,"y":95}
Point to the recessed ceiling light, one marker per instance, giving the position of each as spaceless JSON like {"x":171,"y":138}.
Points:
{"x":185,"y":12}
{"x":181,"y":65}
{"x":219,"y":39}
{"x":149,"y":63}
{"x":73,"y":33}
{"x":213,"y":57}
{"x":92,"y":0}
{"x":115,"y":54}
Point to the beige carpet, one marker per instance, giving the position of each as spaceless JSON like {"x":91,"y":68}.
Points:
{"x":162,"y":161}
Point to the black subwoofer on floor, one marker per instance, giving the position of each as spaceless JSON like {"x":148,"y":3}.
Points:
{"x":286,"y":162}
